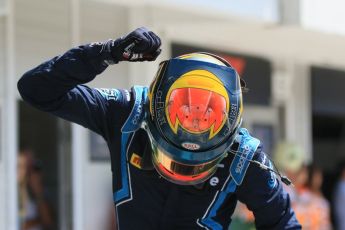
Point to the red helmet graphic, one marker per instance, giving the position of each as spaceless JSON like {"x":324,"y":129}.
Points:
{"x":198,"y":103}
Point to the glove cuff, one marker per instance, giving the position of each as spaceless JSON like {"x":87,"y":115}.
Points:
{"x":111,"y":51}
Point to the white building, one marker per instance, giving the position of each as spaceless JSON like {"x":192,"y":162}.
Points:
{"x":270,"y":36}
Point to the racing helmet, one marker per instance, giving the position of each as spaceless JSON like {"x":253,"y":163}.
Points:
{"x":194,"y":113}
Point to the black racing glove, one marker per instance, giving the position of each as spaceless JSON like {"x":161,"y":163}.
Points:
{"x":139,"y":45}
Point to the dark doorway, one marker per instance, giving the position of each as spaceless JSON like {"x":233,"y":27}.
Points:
{"x":328,"y":123}
{"x":328,"y":113}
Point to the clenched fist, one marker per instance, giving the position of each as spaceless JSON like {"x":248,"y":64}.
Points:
{"x":139,"y":45}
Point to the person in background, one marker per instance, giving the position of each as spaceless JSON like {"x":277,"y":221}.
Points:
{"x":290,"y":158}
{"x":311,"y":208}
{"x":301,"y":197}
{"x":339,"y":198}
{"x":34,"y":211}
{"x":320,"y":217}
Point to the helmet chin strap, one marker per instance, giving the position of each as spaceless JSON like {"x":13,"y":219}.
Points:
{"x":282,"y":177}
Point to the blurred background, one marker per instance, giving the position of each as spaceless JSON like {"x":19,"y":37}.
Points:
{"x":55,"y":175}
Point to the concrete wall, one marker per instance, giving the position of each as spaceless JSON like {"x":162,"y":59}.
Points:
{"x":2,"y":80}
{"x":42,"y":30}
{"x":2,"y":4}
{"x":100,"y":22}
{"x":2,"y":54}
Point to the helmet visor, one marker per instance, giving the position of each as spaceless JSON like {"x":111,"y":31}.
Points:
{"x":180,"y":173}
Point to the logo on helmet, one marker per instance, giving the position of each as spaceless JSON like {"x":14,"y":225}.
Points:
{"x":190,"y":146}
{"x":197,"y":102}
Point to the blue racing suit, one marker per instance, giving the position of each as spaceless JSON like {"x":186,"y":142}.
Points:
{"x":143,"y":199}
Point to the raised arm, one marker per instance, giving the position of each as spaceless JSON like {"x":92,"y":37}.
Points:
{"x":56,"y":86}
{"x":264,"y":195}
